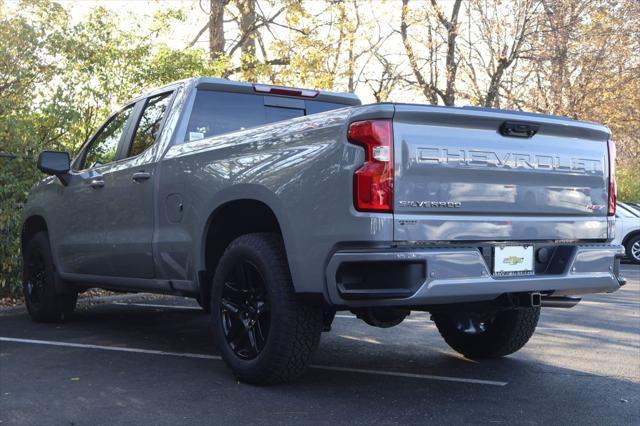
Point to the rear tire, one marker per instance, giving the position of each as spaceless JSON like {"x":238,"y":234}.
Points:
{"x":264,"y":333}
{"x":633,"y":250}
{"x":491,"y":336}
{"x":43,"y":302}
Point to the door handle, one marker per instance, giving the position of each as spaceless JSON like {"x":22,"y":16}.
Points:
{"x":97,"y":183}
{"x":141,"y":176}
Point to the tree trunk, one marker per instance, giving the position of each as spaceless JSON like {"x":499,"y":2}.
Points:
{"x":248,"y":27}
{"x":451,"y":65}
{"x":427,"y":88}
{"x":216,"y":28}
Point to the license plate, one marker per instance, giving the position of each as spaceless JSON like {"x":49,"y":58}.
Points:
{"x":513,"y":260}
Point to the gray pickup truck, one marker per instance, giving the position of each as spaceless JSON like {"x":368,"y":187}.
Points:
{"x":276,"y":207}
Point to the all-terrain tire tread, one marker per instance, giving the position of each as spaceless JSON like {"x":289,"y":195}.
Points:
{"x":295,"y":345}
{"x":514,"y":331}
{"x":57,"y":306}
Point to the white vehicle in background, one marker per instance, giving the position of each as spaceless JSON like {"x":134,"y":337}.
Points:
{"x":628,"y":230}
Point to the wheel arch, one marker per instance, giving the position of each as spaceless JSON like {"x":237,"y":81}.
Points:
{"x":629,"y":236}
{"x":229,"y":220}
{"x":31,"y":226}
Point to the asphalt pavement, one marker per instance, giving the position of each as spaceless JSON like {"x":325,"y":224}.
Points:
{"x":141,"y":359}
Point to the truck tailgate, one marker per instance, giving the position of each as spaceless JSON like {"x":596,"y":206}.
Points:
{"x":459,"y":178}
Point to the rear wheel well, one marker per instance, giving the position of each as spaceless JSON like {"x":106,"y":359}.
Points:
{"x":629,"y":236}
{"x":227,"y":223}
{"x":32,"y":226}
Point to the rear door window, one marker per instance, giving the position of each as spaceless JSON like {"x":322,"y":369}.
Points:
{"x":149,"y":124}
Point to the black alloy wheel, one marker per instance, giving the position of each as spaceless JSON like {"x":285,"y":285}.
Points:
{"x":264,"y":332}
{"x":45,"y":302}
{"x":35,"y":278}
{"x":473,"y":324}
{"x":244,"y":310}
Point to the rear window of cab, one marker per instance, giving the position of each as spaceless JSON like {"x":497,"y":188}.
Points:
{"x":215,"y":113}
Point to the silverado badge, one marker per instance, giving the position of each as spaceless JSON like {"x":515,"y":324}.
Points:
{"x":434,"y":204}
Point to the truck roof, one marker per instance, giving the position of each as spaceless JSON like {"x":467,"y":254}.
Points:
{"x":224,"y":85}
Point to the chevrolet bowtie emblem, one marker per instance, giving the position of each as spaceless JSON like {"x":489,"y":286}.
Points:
{"x":513,"y":260}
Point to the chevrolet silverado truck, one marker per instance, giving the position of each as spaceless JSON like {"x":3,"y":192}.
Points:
{"x":275,"y":207}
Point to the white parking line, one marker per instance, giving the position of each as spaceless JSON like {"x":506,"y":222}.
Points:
{"x":108,"y":348}
{"x":150,"y":305}
{"x":216,"y":357}
{"x":412,"y":375}
{"x":577,"y":330}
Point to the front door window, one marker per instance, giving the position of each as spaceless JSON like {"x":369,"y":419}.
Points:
{"x":104,"y":146}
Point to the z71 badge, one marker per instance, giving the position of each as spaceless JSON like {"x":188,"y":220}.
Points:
{"x":431,"y":204}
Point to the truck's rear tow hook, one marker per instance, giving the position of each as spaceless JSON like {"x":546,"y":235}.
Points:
{"x":526,"y":300}
{"x":536,"y":300}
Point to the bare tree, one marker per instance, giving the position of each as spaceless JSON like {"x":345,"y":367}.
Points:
{"x":448,"y":25}
{"x":500,"y":35}
{"x":247,"y":24}
{"x":386,"y":80}
{"x":216,"y":27}
{"x":250,"y":19}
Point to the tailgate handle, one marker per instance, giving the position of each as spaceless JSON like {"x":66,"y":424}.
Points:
{"x":518,"y":129}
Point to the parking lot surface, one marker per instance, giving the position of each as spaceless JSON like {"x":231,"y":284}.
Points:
{"x":140,"y":359}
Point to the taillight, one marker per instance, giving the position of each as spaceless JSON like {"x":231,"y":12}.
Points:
{"x":373,"y":182}
{"x":612,"y":177}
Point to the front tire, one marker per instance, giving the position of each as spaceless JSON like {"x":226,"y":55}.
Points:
{"x":43,"y":302}
{"x":264,"y":333}
{"x":478,"y":336}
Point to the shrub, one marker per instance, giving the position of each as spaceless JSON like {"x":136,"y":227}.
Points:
{"x":628,"y":181}
{"x":17,"y":176}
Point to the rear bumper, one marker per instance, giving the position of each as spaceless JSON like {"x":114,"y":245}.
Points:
{"x":429,"y":276}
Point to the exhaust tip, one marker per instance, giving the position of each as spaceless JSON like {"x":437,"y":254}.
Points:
{"x":560,"y":302}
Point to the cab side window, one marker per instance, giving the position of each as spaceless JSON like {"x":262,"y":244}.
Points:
{"x":149,"y":125}
{"x":104,"y":146}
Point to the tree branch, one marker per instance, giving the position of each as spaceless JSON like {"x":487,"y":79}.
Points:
{"x":197,"y":37}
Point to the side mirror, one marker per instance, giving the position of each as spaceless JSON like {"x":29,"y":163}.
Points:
{"x":54,"y":162}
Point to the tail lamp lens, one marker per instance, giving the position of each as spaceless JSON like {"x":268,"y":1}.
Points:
{"x":613,"y":190}
{"x":373,"y":182}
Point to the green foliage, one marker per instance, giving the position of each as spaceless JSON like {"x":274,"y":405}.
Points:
{"x":16,"y":177}
{"x":628,"y":181}
{"x":58,"y":82}
{"x":169,"y":65}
